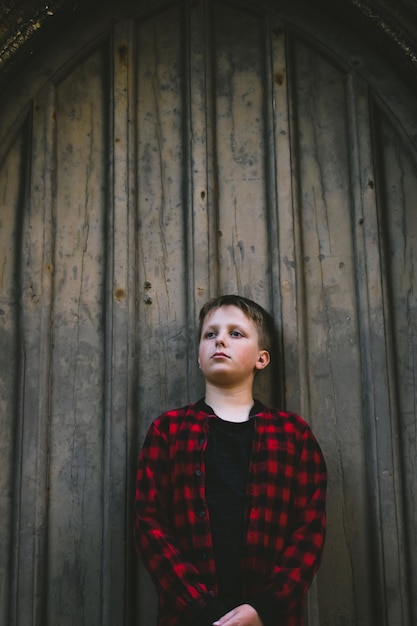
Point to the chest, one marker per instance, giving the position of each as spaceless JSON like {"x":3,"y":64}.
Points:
{"x":264,"y":459}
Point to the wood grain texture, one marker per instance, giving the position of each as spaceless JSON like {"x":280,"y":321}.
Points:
{"x":166,"y":154}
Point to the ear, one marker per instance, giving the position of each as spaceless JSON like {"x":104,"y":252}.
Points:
{"x":263,"y":360}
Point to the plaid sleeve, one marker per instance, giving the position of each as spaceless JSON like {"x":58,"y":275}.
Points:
{"x":298,"y":563}
{"x":175,"y":578}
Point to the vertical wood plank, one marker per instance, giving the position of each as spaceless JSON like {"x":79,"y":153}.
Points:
{"x":239,"y":112}
{"x":384,"y":467}
{"x":201,"y":202}
{"x":77,"y":374}
{"x":161,"y":268}
{"x":396,"y":169}
{"x":31,"y":520}
{"x":14,"y":186}
{"x":160,"y":179}
{"x":119,"y":452}
{"x":283,"y":228}
{"x":397,"y":189}
{"x":331,"y":325}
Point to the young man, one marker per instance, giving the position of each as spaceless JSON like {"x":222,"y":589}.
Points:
{"x":230,"y":494}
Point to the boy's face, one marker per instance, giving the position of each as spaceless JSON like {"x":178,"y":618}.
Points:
{"x":229,"y":351}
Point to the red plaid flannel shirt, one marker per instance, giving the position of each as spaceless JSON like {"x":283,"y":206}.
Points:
{"x":285,"y":513}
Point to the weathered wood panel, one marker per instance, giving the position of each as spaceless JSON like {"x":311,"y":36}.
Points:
{"x":191,"y":149}
{"x":242,"y":207}
{"x":162,"y":270}
{"x":32,"y":418}
{"x":13,"y":177}
{"x":121,"y":359}
{"x":397,"y":188}
{"x":161,"y":262}
{"x":78,"y":350}
{"x":239,"y":146}
{"x":330,"y":315}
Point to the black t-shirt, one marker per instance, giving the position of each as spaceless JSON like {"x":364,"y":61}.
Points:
{"x":227,"y":461}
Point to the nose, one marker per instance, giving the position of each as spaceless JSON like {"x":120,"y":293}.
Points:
{"x":220,"y":340}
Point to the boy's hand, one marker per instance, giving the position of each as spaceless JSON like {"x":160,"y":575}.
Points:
{"x":243,"y":615}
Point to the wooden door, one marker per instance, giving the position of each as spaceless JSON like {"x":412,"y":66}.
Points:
{"x":191,"y":149}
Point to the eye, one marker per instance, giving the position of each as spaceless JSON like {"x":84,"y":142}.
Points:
{"x":210,"y":334}
{"x":236,"y":333}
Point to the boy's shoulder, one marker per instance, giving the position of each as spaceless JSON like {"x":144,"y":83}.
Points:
{"x":193,"y":411}
{"x":288,"y":422}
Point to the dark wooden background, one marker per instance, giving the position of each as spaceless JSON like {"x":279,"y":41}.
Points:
{"x":153,"y":155}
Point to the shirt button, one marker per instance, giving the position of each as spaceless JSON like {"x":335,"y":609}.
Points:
{"x":205,"y":556}
{"x":201,"y":441}
{"x":198,"y":473}
{"x":202,"y":514}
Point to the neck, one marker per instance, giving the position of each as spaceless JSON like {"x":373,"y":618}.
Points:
{"x":233,"y":406}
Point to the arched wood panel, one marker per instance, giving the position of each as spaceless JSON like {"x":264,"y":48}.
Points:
{"x":186,"y":150}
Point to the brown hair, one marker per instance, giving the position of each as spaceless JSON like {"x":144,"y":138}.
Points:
{"x":261,"y":318}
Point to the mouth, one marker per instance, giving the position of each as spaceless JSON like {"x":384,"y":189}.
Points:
{"x":220,"y":355}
